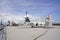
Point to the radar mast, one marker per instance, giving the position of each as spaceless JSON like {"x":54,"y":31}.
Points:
{"x":27,"y":18}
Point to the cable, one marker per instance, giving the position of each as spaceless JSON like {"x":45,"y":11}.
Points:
{"x":41,"y":35}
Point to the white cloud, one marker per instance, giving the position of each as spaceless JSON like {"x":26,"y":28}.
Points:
{"x":11,"y":17}
{"x":8,"y":16}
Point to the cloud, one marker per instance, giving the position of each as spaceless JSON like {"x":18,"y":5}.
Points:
{"x":11,"y":17}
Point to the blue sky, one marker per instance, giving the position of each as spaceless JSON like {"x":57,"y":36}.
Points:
{"x":34,"y":7}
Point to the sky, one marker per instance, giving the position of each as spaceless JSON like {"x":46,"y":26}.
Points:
{"x":15,"y":9}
